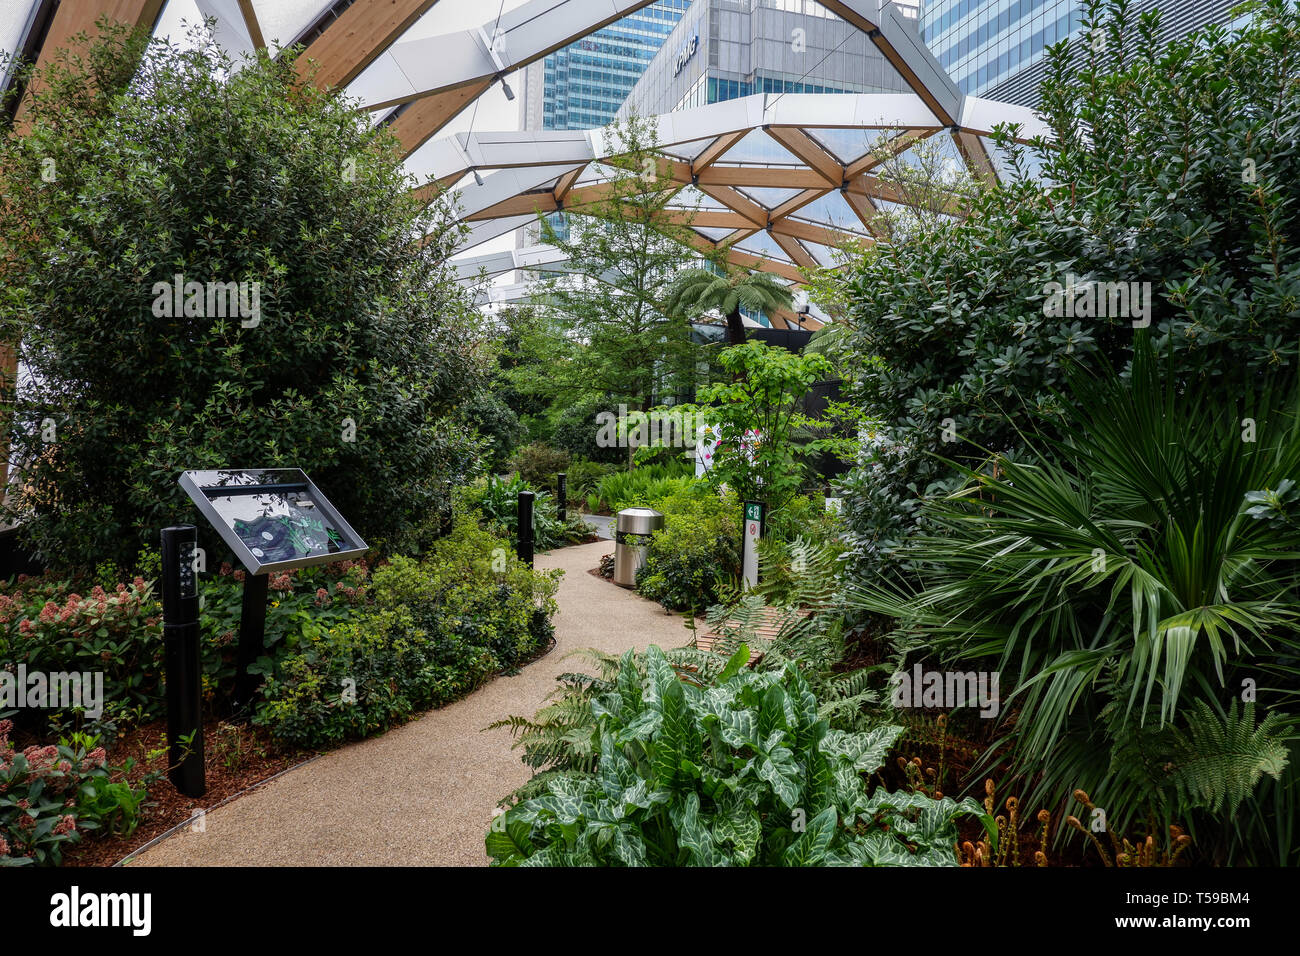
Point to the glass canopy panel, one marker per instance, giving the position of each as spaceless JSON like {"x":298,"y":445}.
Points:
{"x":688,"y":197}
{"x":597,"y":173}
{"x":1030,"y":163}
{"x":941,"y":146}
{"x":757,"y":148}
{"x":378,"y":116}
{"x":15,"y":20}
{"x":771,"y":198}
{"x":687,"y":151}
{"x":717,"y":235}
{"x":283,"y":20}
{"x":846,"y":144}
{"x":824,"y":255}
{"x":830,"y":210}
{"x":761,"y":244}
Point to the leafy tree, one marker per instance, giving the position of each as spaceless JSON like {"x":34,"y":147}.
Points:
{"x":761,"y":432}
{"x":346,"y":351}
{"x":697,"y":291}
{"x":1173,"y":166}
{"x":625,"y":240}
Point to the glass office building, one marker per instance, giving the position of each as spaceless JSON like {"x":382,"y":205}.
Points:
{"x":995,"y":48}
{"x":582,"y":85}
{"x":724,"y":49}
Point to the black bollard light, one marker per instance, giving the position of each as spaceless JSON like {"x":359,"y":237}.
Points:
{"x":182,"y":667}
{"x":525,"y":547}
{"x":562,"y":509}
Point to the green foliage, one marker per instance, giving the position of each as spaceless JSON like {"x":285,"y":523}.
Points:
{"x":1173,"y":164}
{"x":697,"y":552}
{"x":803,"y":612}
{"x":439,"y":628}
{"x":741,"y":773}
{"x":641,"y":486}
{"x":498,"y":501}
{"x":302,"y":603}
{"x":807,"y":632}
{"x":497,"y":425}
{"x":46,"y":625}
{"x":761,"y":451}
{"x":1117,"y":577}
{"x":229,"y":173}
{"x":1220,"y":758}
{"x":574,"y":428}
{"x":583,"y":477}
{"x":50,"y":795}
{"x":538,"y":464}
{"x":796,"y":536}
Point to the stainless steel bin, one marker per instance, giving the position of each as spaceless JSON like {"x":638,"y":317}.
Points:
{"x":632,"y":540}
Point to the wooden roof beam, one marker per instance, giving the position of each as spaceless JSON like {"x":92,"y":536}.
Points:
{"x":809,"y":152}
{"x":357,"y":38}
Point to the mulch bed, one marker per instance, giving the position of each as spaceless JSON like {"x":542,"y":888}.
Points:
{"x":235,"y":758}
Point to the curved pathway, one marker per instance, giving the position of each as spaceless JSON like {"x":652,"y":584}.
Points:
{"x":423,"y":793}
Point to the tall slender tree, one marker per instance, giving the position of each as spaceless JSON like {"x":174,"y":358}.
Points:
{"x":625,"y":238}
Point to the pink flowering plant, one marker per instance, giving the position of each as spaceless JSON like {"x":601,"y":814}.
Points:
{"x":50,"y":795}
{"x":48,"y":623}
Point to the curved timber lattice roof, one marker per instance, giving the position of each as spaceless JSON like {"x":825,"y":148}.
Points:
{"x":776,"y":179}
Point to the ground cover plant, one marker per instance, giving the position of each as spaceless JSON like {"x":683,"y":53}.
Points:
{"x":743,"y":772}
{"x":437,"y":628}
{"x":50,"y":796}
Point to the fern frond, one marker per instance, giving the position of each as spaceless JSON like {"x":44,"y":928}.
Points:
{"x":1218,"y":760}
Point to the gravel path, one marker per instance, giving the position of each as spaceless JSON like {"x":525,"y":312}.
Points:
{"x":423,"y":793}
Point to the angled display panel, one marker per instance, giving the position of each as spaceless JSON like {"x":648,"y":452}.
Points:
{"x":272,"y":518}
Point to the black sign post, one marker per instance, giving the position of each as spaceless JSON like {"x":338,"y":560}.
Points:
{"x":273,"y":519}
{"x":182,"y":667}
{"x":525,"y":546}
{"x":252,"y":634}
{"x":562,"y":493}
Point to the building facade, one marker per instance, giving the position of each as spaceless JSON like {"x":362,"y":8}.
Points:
{"x":582,"y":85}
{"x":995,"y":48}
{"x":724,"y":49}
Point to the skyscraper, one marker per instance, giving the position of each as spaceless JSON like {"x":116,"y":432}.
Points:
{"x":995,"y":48}
{"x":724,"y":49}
{"x":582,"y":85}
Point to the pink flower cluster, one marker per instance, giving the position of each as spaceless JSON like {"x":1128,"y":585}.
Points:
{"x":76,"y":612}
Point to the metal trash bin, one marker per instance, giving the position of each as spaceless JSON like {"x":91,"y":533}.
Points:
{"x":632,"y":541}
